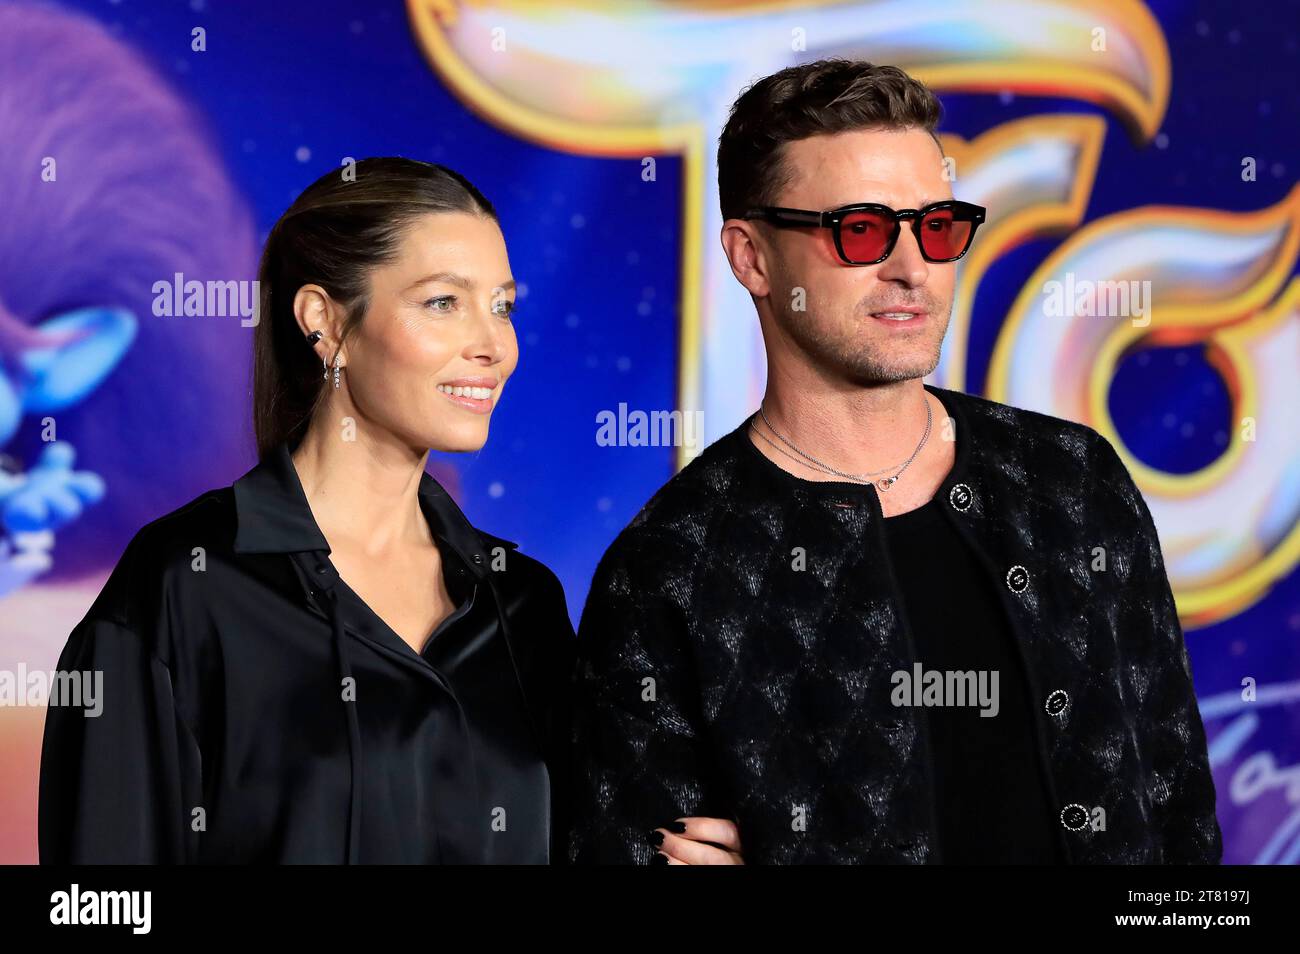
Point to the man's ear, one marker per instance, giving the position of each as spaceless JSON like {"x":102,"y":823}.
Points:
{"x":315,"y":310}
{"x":747,"y":253}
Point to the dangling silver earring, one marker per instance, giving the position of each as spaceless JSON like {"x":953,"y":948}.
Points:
{"x":336,"y":372}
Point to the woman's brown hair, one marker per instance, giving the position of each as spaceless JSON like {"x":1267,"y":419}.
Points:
{"x":341,"y":227}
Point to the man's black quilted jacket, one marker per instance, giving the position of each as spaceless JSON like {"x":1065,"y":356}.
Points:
{"x":718,"y":679}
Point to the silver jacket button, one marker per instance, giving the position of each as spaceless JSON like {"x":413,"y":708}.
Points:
{"x":1058,"y":702}
{"x":1074,"y":817}
{"x":960,"y":497}
{"x":1017,"y":579}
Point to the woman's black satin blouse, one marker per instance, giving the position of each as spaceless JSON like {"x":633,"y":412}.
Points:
{"x":255,"y":710}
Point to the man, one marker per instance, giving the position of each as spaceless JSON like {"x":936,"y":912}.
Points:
{"x":882,"y":622}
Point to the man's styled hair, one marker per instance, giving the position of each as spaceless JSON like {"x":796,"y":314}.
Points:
{"x":819,"y":98}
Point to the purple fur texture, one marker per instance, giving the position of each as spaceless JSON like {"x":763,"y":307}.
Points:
{"x":140,"y":194}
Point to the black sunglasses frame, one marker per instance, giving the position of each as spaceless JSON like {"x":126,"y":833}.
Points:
{"x":834,"y":220}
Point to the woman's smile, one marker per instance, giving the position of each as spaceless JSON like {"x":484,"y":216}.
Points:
{"x":471,"y":393}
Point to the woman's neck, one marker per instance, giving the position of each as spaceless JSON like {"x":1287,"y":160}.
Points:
{"x":363,"y":491}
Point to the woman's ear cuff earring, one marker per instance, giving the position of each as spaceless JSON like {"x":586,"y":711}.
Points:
{"x":314,"y":337}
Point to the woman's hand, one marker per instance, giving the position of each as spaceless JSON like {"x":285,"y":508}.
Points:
{"x":697,"y":841}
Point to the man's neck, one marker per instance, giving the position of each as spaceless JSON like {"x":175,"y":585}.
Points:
{"x":854,"y":429}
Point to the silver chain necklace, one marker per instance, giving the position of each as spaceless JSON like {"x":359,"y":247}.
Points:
{"x":885,"y":482}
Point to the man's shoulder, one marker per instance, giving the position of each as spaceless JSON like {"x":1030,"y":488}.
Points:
{"x":1051,"y":456}
{"x":1010,"y":425}
{"x":695,"y":492}
{"x":675,"y":522}
{"x":1040,"y":453}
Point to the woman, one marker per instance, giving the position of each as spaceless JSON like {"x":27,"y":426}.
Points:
{"x":326,"y":662}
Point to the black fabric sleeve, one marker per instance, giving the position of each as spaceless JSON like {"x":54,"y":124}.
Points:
{"x":558,"y":730}
{"x":1170,"y":733}
{"x":120,"y":775}
{"x":640,"y":747}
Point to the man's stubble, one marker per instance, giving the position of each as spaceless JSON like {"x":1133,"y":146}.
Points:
{"x":849,"y":347}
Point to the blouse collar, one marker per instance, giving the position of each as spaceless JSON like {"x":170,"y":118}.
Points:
{"x":274,"y":516}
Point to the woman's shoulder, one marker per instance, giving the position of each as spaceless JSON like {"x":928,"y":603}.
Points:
{"x":163,"y":557}
{"x":178,"y":538}
{"x":516,"y":572}
{"x":528,"y":588}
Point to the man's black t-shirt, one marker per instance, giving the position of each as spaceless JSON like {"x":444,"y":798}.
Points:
{"x":992,"y":801}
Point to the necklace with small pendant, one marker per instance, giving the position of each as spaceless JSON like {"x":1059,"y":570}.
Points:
{"x":883,"y":483}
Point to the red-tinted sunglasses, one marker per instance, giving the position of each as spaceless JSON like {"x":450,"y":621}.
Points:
{"x":865,"y":233}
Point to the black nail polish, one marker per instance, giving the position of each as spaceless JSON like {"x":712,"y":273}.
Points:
{"x":659,"y":859}
{"x":656,"y":837}
{"x":676,"y":827}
